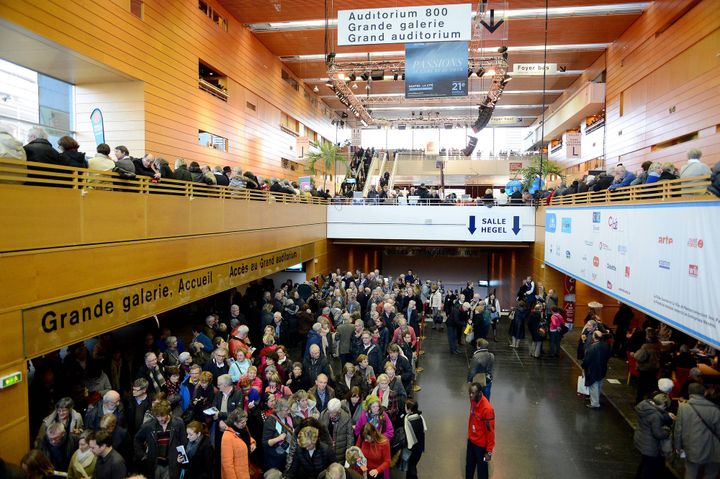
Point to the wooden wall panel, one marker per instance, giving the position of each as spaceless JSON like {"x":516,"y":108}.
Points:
{"x":162,"y":52}
{"x":14,"y":416}
{"x":663,"y":82}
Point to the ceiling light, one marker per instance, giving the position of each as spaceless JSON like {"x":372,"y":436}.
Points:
{"x":395,"y":76}
{"x":329,"y":83}
{"x":365,"y":76}
{"x":341,"y":76}
{"x":352,"y":76}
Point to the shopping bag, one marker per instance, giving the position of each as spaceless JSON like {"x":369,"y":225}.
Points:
{"x":581,"y":388}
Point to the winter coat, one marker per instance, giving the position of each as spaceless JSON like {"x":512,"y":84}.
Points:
{"x":517,"y":323}
{"x":342,"y":434}
{"x":41,"y":151}
{"x":305,"y":466}
{"x":651,"y":429}
{"x":595,"y":362}
{"x":73,"y":158}
{"x":692,"y":436}
{"x":534,"y":324}
{"x":201,"y":464}
{"x":146,"y":445}
{"x":234,"y":461}
{"x":199,"y":177}
{"x":182,"y":173}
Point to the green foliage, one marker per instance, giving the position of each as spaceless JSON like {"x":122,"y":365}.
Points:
{"x":532,"y":171}
{"x":324,"y":158}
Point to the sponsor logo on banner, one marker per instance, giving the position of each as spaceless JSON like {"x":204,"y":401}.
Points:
{"x":589,"y":243}
{"x":622,"y":249}
{"x":627,"y":271}
{"x":663,"y":264}
{"x":567,"y":254}
{"x":603,"y":246}
{"x":584,"y":258}
{"x":610,"y":266}
{"x":594,"y":276}
{"x":566,"y":226}
{"x":695,"y":243}
{"x":596,"y":220}
{"x":550,"y":222}
{"x":558,"y":251}
{"x":665,"y":240}
{"x":609,"y":285}
{"x":693,"y":270}
{"x":596,"y":261}
{"x":613,"y":223}
{"x":624,"y":291}
{"x":582,"y":272}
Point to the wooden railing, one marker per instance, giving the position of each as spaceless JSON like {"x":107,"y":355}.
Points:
{"x":682,"y":189}
{"x":16,"y":172}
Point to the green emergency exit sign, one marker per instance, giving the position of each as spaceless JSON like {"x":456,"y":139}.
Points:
{"x":10,"y":380}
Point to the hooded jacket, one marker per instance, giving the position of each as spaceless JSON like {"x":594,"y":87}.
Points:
{"x":651,"y":429}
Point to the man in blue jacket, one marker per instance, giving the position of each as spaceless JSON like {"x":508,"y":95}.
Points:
{"x":595,"y":367}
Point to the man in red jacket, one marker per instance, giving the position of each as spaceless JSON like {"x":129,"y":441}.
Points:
{"x":481,"y":434}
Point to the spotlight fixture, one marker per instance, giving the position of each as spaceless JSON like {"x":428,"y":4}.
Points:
{"x":343,"y":115}
{"x":329,"y":83}
{"x":480,"y":72}
{"x":316,"y":89}
{"x":341,"y":76}
{"x":502,"y":49}
{"x":352,"y":76}
{"x":505,"y":80}
{"x":377,"y":75}
{"x":365,"y":76}
{"x":562,"y":69}
{"x":330,"y":57}
{"x":470,"y":72}
{"x":395,"y":76}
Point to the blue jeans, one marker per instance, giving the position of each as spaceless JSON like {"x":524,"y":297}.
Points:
{"x":595,"y":393}
{"x":475,"y":459}
{"x":554,"y":343}
{"x":486,"y":389}
{"x":452,"y":338}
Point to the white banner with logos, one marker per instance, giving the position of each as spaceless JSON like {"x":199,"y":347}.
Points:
{"x":432,"y":23}
{"x":663,"y":259}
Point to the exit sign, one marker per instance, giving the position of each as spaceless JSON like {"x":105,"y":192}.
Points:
{"x":10,"y":380}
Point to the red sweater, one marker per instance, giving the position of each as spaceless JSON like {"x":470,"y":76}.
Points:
{"x":377,"y":455}
{"x":481,"y":424}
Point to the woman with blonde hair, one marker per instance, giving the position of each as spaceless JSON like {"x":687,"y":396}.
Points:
{"x":276,"y":387}
{"x":303,"y":405}
{"x":311,"y":456}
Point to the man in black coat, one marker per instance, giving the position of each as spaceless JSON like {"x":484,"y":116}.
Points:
{"x":595,"y":367}
{"x":137,"y":406}
{"x":220,"y":176}
{"x":156,"y":443}
{"x":39,"y":148}
{"x":58,"y":445}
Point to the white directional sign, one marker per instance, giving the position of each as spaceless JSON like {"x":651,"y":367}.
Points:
{"x":532,"y":69}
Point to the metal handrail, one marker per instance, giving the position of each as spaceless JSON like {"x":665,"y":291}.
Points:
{"x":28,"y":173}
{"x":681,"y":189}
{"x":403,"y":201}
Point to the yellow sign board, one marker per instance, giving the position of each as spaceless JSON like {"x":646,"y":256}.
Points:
{"x":49,"y":327}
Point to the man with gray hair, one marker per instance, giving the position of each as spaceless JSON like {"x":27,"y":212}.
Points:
{"x":339,"y":425}
{"x":39,"y":148}
{"x":181,"y":170}
{"x":237,"y":180}
{"x":695,"y":436}
{"x":220,"y":178}
{"x":111,"y":404}
{"x":58,"y":445}
{"x":226,"y":400}
{"x":315,"y":364}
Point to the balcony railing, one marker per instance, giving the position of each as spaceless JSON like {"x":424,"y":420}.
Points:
{"x":16,"y":172}
{"x":682,"y":189}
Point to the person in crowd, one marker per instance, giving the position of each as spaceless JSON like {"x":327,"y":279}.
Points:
{"x":321,"y":392}
{"x":278,"y":435}
{"x":11,"y":148}
{"x":694,"y":166}
{"x":234,"y":452}
{"x":339,"y":425}
{"x":621,"y":321}
{"x":374,"y":413}
{"x":594,"y":366}
{"x":121,"y":441}
{"x":221,"y":178}
{"x":218,"y":364}
{"x":337,"y":471}
{"x":239,"y":366}
{"x":181,"y":172}
{"x":36,"y":465}
{"x":153,"y":372}
{"x":648,"y":365}
{"x":101,"y":161}
{"x":226,"y":400}
{"x":482,"y":366}
{"x":344,"y":335}
{"x":481,"y":434}
{"x":696,"y":436}
{"x":197,"y":174}
{"x":58,"y":445}
{"x":376,"y":449}
{"x":652,"y":436}
{"x":137,"y":406}
{"x":39,"y":149}
{"x":145,"y":166}
{"x":518,"y":316}
{"x":82,"y":462}
{"x":557,"y":321}
{"x":415,"y":429}
{"x":353,"y":404}
{"x":297,"y":379}
{"x":622,"y":178}
{"x":537,"y":328}
{"x":111,"y":404}
{"x":311,"y":456}
{"x":70,"y":156}
{"x":64,"y":414}
{"x":157,"y":440}
{"x":302,"y":406}
{"x":315,"y":364}
{"x":199,"y":463}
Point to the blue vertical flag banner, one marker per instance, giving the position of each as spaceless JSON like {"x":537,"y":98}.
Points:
{"x":98,"y":126}
{"x":435,"y":70}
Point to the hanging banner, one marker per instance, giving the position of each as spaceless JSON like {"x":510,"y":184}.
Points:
{"x":659,"y":258}
{"x":432,"y":23}
{"x":436,"y":70}
{"x":98,"y":126}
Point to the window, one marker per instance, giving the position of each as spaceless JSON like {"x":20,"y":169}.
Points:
{"x":250,"y":106}
{"x":290,"y":80}
{"x":212,"y":14}
{"x":289,"y":124}
{"x":212,"y":81}
{"x":210,"y":140}
{"x":136,"y":8}
{"x":289,"y":164}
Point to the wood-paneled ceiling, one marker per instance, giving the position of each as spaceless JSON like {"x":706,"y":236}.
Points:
{"x":577,"y":38}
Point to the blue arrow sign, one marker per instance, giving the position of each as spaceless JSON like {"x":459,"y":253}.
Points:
{"x":471,"y":227}
{"x":516,"y":225}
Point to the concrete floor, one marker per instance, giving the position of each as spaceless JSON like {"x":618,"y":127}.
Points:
{"x":543,"y":429}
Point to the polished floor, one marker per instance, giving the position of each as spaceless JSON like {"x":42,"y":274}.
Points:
{"x":543,"y":429}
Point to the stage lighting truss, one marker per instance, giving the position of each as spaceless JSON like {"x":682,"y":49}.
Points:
{"x":341,"y":75}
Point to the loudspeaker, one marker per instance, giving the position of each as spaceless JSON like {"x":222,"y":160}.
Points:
{"x":470,"y":146}
{"x":483,"y":118}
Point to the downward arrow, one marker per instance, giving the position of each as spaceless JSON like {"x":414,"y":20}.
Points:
{"x":516,"y":225}
{"x":471,"y":227}
{"x":493,"y":26}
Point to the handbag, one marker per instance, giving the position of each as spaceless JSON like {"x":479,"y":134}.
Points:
{"x":469,"y":337}
{"x":581,"y":388}
{"x":399,"y":440}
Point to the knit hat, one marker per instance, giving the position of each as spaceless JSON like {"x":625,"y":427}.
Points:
{"x":184,"y":356}
{"x":372,"y":398}
{"x":665,"y":385}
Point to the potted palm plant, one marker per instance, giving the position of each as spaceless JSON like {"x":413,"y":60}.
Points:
{"x":324,"y":157}
{"x":531,"y":173}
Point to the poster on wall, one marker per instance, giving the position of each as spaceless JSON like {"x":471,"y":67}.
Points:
{"x":660,"y":259}
{"x":435,"y":70}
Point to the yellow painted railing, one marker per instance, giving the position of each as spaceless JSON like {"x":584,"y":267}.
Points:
{"x":682,"y":189}
{"x":41,"y":174}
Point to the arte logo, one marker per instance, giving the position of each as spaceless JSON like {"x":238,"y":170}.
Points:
{"x":665,"y":240}
{"x":567,"y":254}
{"x":611,"y":267}
{"x":662,"y":264}
{"x":604,"y":246}
{"x":596,"y":261}
{"x":613,"y":223}
{"x":693,"y":270}
{"x":550,"y":222}
{"x":622,"y":249}
{"x":566,"y":226}
{"x":627,"y":271}
{"x":609,"y":285}
{"x":695,"y":243}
